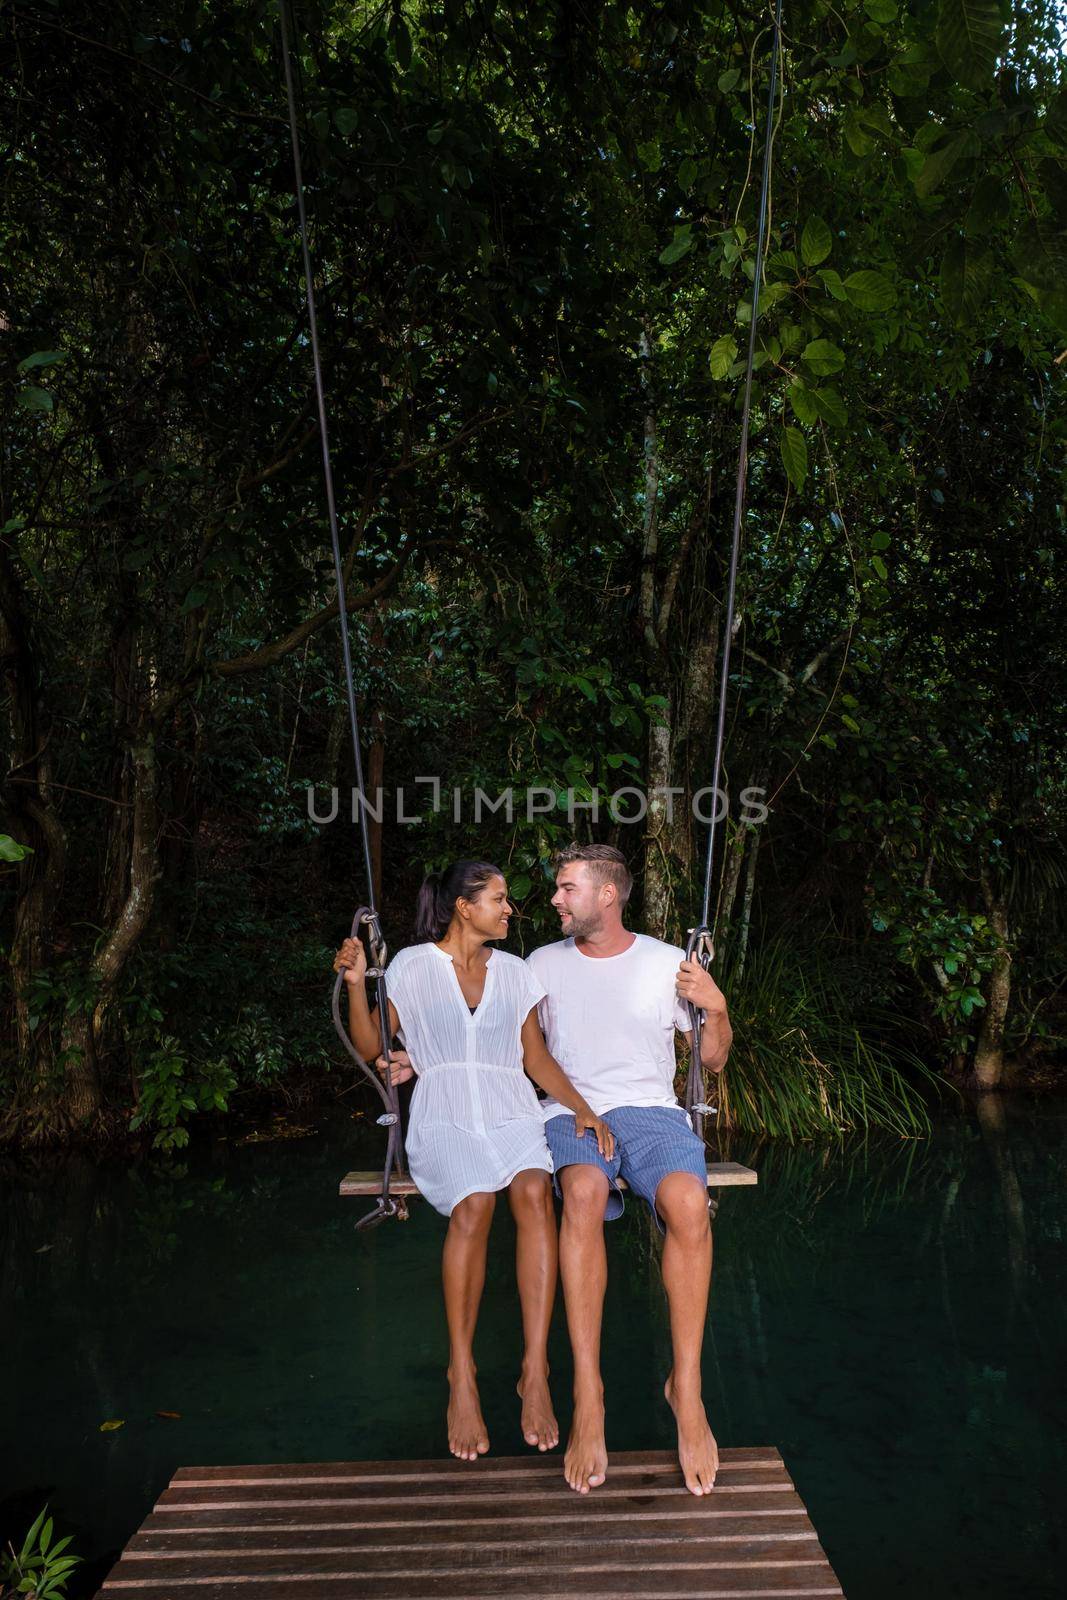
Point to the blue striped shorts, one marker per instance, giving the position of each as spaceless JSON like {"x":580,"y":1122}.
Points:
{"x":650,"y":1142}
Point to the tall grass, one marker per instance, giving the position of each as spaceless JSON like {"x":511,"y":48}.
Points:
{"x":810,"y":1055}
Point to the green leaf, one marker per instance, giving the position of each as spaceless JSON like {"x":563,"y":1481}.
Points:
{"x":112,"y":1424}
{"x":802,"y":401}
{"x":823,"y":357}
{"x":34,"y":399}
{"x":832,"y":281}
{"x":520,"y":886}
{"x":687,"y":173}
{"x":968,"y":37}
{"x":989,"y":205}
{"x":729,"y":79}
{"x":679,"y":246}
{"x":816,"y":242}
{"x":346,"y":120}
{"x":851,"y":724}
{"x":857,"y":138}
{"x":966,"y":273}
{"x":794,"y":450}
{"x":11,"y":850}
{"x":880,"y":567}
{"x":830,"y":407}
{"x":880,"y":540}
{"x":1040,"y":257}
{"x":723,"y":355}
{"x":881,"y":10}
{"x":870,"y":290}
{"x":940,"y":162}
{"x":41,"y":358}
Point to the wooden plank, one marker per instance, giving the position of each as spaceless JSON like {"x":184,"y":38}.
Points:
{"x":589,"y":1509}
{"x":472,"y":1483}
{"x":795,"y":1577}
{"x":481,"y":1498}
{"x":671,"y":1584}
{"x":743,"y":1540}
{"x":488,"y":1530}
{"x":721,"y":1175}
{"x":502,"y":1468}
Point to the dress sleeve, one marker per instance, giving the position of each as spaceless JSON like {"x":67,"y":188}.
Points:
{"x":533,"y":990}
{"x":397,"y":990}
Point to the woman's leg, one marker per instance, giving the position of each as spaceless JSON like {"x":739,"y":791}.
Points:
{"x":536,"y":1249}
{"x":463,"y":1272}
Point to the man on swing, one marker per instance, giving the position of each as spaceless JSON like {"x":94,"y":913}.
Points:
{"x":613,"y":1001}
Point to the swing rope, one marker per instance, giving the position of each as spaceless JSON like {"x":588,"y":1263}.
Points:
{"x":366,"y":922}
{"x":701,"y":946}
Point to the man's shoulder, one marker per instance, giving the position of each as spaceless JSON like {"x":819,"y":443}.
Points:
{"x":546,"y":955}
{"x":658,"y":950}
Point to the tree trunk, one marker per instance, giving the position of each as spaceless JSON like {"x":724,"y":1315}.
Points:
{"x":989,"y":1054}
{"x":87,"y":1029}
{"x":731,"y":878}
{"x":746,"y":905}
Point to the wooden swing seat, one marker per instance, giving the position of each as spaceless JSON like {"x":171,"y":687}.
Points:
{"x":721,"y":1175}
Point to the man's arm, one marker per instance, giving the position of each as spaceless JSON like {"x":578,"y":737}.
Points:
{"x":699,"y":988}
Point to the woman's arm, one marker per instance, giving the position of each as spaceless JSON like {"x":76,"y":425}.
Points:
{"x":363,"y":1030}
{"x":548,"y":1075}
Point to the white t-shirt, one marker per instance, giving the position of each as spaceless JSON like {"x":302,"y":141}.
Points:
{"x":610,"y":1021}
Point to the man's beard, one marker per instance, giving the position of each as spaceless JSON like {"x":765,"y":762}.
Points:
{"x":581,"y":927}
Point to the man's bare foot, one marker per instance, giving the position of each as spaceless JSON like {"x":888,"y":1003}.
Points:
{"x":539,"y":1425}
{"x":697,"y":1450}
{"x":468,"y":1437}
{"x":585,"y":1465}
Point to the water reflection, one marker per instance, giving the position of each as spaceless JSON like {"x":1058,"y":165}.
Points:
{"x":889,"y":1314}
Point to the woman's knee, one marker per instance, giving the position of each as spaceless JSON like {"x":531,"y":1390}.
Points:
{"x":473,"y":1214}
{"x":531,"y":1196}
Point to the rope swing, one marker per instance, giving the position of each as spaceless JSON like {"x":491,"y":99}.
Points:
{"x":700,"y":946}
{"x":366,"y":923}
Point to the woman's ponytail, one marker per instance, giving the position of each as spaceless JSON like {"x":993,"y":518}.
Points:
{"x":428,"y":909}
{"x":434,"y":909}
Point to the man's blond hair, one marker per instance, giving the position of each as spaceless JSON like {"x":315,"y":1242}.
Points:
{"x":605,"y":864}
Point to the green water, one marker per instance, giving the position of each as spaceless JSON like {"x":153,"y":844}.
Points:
{"x":891,"y":1317}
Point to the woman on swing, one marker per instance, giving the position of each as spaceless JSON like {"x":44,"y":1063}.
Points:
{"x":468,"y":1020}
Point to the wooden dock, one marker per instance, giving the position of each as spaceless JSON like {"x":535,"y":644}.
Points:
{"x":501,"y":1527}
{"x":721,"y":1175}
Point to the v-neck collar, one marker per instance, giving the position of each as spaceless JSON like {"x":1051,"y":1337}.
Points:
{"x":469,"y":1016}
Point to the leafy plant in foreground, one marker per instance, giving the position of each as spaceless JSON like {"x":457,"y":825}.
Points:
{"x":40,"y":1569}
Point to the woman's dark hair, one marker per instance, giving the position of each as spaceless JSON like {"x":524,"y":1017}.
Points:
{"x":463,"y":880}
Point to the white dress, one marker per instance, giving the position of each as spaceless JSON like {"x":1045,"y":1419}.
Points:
{"x":475,"y":1117}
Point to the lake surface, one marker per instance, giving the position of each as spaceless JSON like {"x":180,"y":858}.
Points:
{"x":891,"y":1316}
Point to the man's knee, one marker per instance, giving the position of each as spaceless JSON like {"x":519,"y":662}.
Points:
{"x":585,"y":1195}
{"x":473,"y":1214}
{"x":682,"y":1202}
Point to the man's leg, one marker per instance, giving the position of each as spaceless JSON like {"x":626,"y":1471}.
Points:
{"x":584,"y":1268}
{"x":682,"y":1202}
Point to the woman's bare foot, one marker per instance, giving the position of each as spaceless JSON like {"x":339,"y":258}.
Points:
{"x":585,"y":1465}
{"x":468,"y":1437}
{"x":539,"y":1425}
{"x":697,"y":1450}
